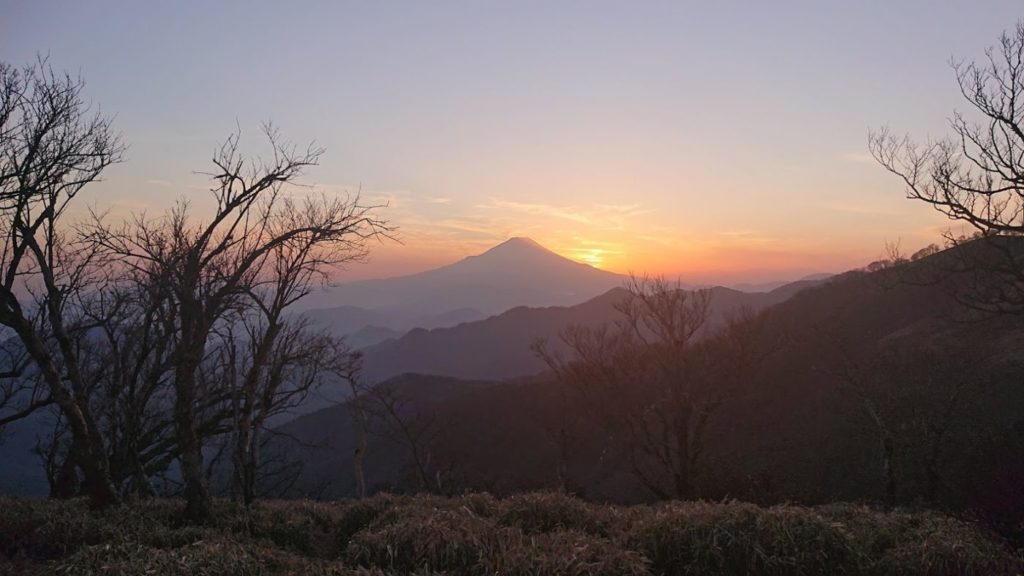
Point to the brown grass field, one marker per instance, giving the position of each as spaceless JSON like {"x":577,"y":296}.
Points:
{"x":529,"y":534}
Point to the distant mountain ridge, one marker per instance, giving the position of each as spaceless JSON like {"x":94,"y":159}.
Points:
{"x":769,"y":286}
{"x":363,"y":327}
{"x":498,"y":347}
{"x":518,"y":272}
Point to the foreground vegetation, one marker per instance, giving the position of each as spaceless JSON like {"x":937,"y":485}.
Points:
{"x":540,"y":533}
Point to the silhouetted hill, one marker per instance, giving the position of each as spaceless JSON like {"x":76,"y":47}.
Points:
{"x":370,"y":335}
{"x":769,"y":286}
{"x":499,"y":347}
{"x":326,"y":438}
{"x":364,"y":327}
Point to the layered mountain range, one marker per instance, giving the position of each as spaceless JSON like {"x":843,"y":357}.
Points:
{"x":516,"y":273}
{"x":796,"y":432}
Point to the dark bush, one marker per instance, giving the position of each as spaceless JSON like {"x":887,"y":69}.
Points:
{"x":921,"y":542}
{"x":427,"y":538}
{"x":215,"y":557}
{"x":541,"y":512}
{"x":568,"y":554}
{"x":734,"y":538}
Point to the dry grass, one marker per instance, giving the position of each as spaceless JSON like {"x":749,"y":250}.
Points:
{"x":529,"y":534}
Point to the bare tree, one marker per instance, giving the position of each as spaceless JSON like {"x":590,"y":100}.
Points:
{"x":398,"y":419}
{"x":913,"y":398}
{"x":57,"y":461}
{"x":976,"y":176}
{"x":276,"y":365}
{"x":348,"y":367}
{"x":657,"y":377}
{"x":210,"y":268}
{"x":51,"y":148}
{"x":282,"y":359}
{"x":125,"y":366}
{"x":21,"y":393}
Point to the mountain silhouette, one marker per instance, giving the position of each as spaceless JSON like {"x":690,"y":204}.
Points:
{"x":517,"y":272}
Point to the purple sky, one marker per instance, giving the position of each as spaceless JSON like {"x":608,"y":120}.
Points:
{"x":716,"y":140}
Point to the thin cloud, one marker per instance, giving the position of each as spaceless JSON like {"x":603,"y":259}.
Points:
{"x":566,"y":213}
{"x":864,"y":209}
{"x":749,"y":237}
{"x":857,"y":157}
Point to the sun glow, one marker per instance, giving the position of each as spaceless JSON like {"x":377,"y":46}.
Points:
{"x":592,"y":256}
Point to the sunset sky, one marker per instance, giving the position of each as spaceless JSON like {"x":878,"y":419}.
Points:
{"x":714,"y":140}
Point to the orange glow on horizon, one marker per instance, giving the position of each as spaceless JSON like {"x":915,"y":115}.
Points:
{"x":641,"y":248}
{"x":590,"y":256}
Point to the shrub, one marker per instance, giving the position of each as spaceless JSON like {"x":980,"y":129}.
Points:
{"x":733,"y":538}
{"x":356,"y":515}
{"x":215,"y":557}
{"x":317,"y":529}
{"x":453,"y":541}
{"x":32,"y":530}
{"x":302,"y":527}
{"x":542,"y":512}
{"x":568,"y":554}
{"x":921,"y":542}
{"x":480,"y":503}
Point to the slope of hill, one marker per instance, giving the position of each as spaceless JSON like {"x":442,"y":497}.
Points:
{"x":363,"y":327}
{"x":327,"y":436}
{"x":499,"y":347}
{"x":769,"y":286}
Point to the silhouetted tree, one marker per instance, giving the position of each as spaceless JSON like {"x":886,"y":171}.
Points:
{"x":396,"y":417}
{"x":270,"y":368}
{"x":976,"y":177}
{"x":211,"y":269}
{"x":279,"y":360}
{"x":21,"y":393}
{"x":51,"y":148}
{"x":914,"y":398}
{"x":658,"y":376}
{"x":347,"y":366}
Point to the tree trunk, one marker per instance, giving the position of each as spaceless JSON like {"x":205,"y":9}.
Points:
{"x":251,"y":466}
{"x":421,"y":468}
{"x":243,"y":458}
{"x":562,"y":469}
{"x":65,"y":483}
{"x":932,"y":478}
{"x":87,"y":449}
{"x":933,"y":483}
{"x":682,"y":475}
{"x":361,"y":443}
{"x":931,"y":466}
{"x":197,"y":495}
{"x":247,"y":458}
{"x":889,"y":469}
{"x":141,"y":486}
